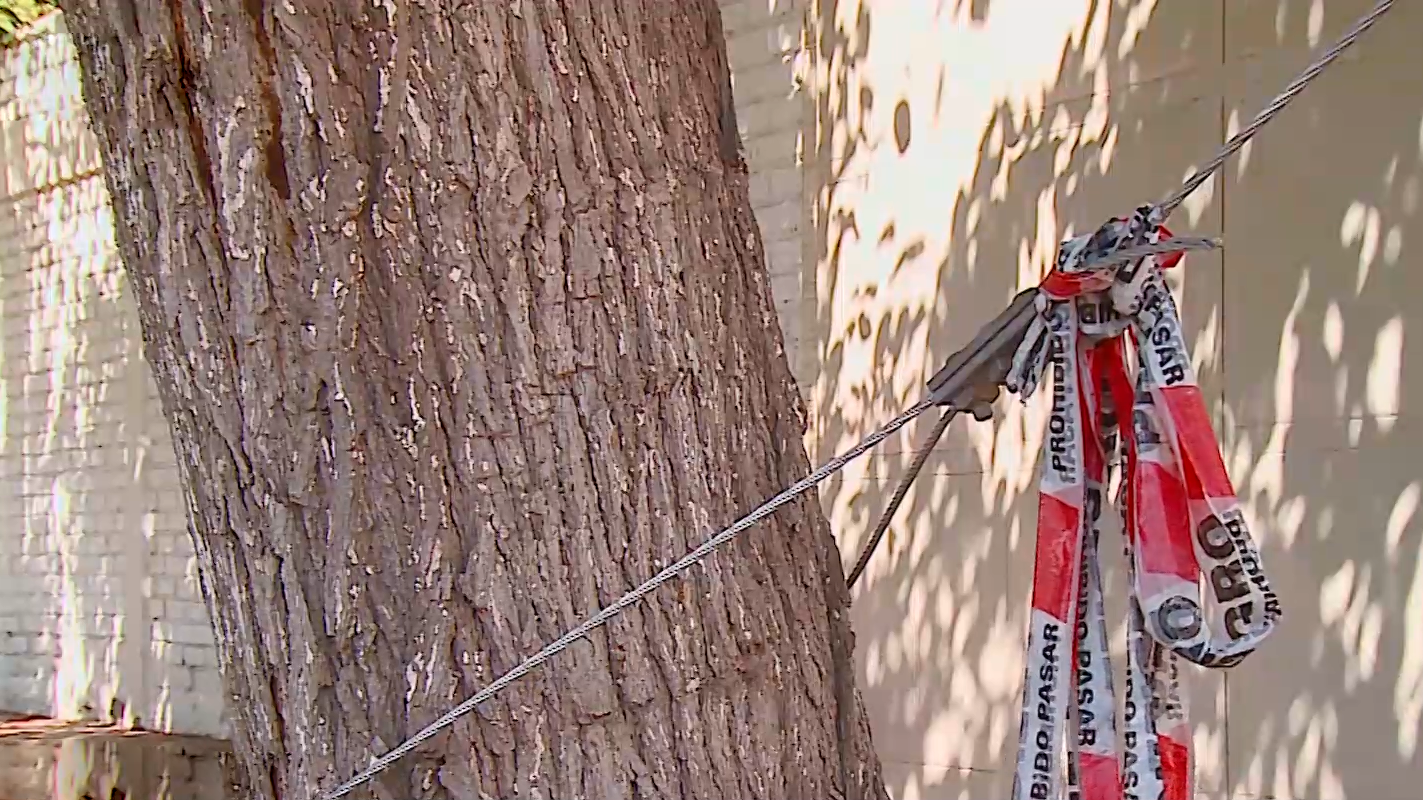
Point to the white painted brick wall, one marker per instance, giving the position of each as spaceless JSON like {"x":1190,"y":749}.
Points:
{"x":100,"y":611}
{"x":763,"y":38}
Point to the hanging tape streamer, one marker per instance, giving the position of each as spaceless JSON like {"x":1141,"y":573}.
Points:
{"x":1182,"y":523}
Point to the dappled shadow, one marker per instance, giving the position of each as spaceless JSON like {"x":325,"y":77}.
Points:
{"x":1323,"y":371}
{"x":954,"y":147}
{"x":102,"y":614}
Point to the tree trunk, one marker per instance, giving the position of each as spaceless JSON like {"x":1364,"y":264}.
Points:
{"x":460,"y":319}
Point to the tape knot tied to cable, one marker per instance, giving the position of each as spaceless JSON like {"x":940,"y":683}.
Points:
{"x":1114,"y":343}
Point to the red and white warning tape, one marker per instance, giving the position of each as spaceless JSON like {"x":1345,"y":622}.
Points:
{"x":1181,"y":520}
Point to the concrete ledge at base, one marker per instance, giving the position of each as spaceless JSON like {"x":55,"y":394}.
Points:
{"x":46,"y":759}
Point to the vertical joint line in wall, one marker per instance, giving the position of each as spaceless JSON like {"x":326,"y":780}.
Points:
{"x":1224,"y":128}
{"x":1224,"y":122}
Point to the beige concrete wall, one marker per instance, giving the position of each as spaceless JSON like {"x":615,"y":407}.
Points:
{"x":1322,"y":392}
{"x":101,"y":616}
{"x":953,"y":144}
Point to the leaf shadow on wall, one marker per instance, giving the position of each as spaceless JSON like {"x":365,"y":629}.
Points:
{"x":1306,"y":319}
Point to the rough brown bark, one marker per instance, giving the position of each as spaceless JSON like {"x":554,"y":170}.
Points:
{"x":460,"y":319}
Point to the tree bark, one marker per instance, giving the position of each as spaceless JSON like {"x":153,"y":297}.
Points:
{"x":459,"y":315}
